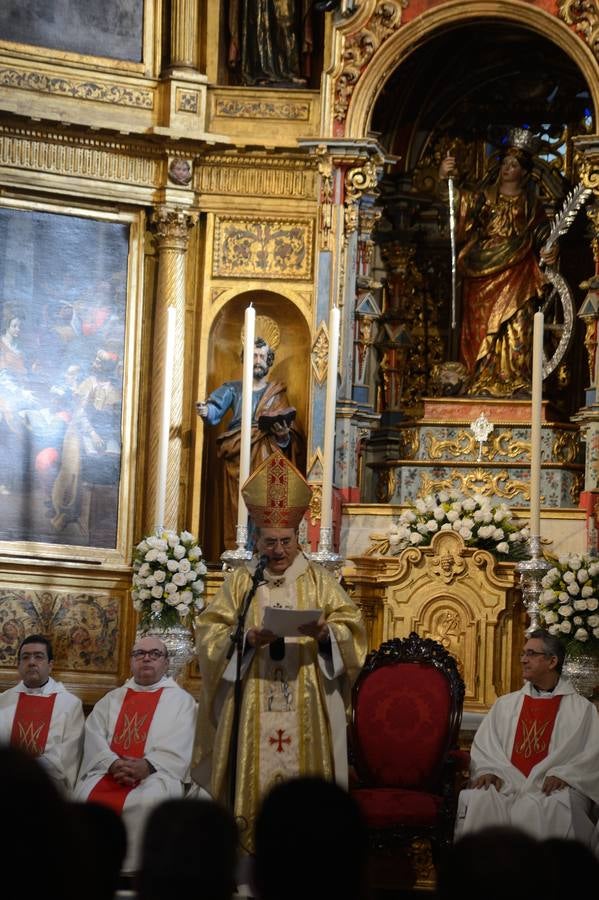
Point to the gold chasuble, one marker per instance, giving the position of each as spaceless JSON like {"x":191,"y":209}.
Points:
{"x":287,"y":706}
{"x":533,"y":732}
{"x":129,"y":739}
{"x":31,"y":723}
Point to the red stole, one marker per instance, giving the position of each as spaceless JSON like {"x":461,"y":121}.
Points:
{"x":533,"y":732}
{"x":128,"y":740}
{"x":31,"y":723}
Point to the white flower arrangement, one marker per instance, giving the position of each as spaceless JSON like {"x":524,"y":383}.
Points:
{"x":475,"y":518}
{"x":167,"y":579}
{"x":569,"y":602}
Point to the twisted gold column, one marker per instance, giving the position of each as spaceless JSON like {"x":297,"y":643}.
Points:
{"x":172,"y":228}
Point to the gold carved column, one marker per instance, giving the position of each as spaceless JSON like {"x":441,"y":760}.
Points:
{"x":184,"y":38}
{"x":172,"y":227}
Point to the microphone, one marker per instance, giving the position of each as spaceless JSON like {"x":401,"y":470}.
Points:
{"x":259,"y":573}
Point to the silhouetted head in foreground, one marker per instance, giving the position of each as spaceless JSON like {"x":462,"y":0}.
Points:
{"x":311,"y":841}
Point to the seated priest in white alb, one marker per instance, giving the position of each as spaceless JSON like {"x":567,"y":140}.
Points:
{"x":40,"y":716}
{"x":138,"y":744}
{"x":535,"y":757}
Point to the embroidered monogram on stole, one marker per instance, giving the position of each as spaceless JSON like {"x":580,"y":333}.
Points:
{"x":533,"y":732}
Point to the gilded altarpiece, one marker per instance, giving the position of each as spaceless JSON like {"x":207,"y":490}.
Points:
{"x":457,"y":595}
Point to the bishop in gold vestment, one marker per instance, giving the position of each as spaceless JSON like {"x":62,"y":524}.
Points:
{"x":296,"y":695}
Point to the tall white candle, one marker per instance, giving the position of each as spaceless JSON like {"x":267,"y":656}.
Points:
{"x":246,"y":409}
{"x":326,"y":513}
{"x":535,"y":426}
{"x":165,"y":421}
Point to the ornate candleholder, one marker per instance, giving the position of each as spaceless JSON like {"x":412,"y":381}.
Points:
{"x":233,"y":559}
{"x":325,"y":554}
{"x":532,"y":572}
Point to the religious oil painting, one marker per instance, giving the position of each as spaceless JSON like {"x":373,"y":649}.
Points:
{"x":63,"y":303}
{"x":111,"y":28}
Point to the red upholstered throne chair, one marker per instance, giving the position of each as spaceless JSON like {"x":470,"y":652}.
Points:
{"x":407,"y":768}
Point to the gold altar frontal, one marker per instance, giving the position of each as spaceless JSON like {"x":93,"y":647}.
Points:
{"x":457,"y":595}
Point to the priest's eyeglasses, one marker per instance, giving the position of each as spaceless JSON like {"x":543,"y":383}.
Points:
{"x":151,"y":654}
{"x":530,"y":653}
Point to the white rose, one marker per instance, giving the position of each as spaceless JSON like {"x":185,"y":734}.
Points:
{"x":592,"y":604}
{"x":420,"y":505}
{"x":579,"y":605}
{"x":194,"y":553}
{"x":170,"y":588}
{"x":499,"y":515}
{"x":498,"y":534}
{"x":187,"y":537}
{"x":184,"y":565}
{"x":143,"y":546}
{"x":182,"y":608}
{"x":144,"y":595}
{"x":563,"y":597}
{"x":151,"y":555}
{"x":547,"y":596}
{"x":565,"y":627}
{"x":197,"y":587}
{"x":582,"y":575}
{"x":587,"y":591}
{"x":468,"y":522}
{"x":593,"y":621}
{"x":452,"y":516}
{"x":172,"y":599}
{"x":488,"y":517}
{"x":157,"y":606}
{"x":157,"y":592}
{"x":478,"y":515}
{"x":581,"y":634}
{"x":162,"y":557}
{"x":159,"y":576}
{"x":554,"y":629}
{"x":575,"y":563}
{"x":422,"y":528}
{"x":432,"y":525}
{"x":569,"y":577}
{"x":190,"y":576}
{"x":577,"y":620}
{"x":179,"y":551}
{"x":503,"y":547}
{"x":198,"y":603}
{"x":416,"y":538}
{"x":593,"y":569}
{"x":439,"y":514}
{"x":152,"y":541}
{"x":179,"y":579}
{"x":151,"y":581}
{"x":138,"y":605}
{"x":573,"y":589}
{"x":565,"y":610}
{"x":172,"y":565}
{"x":144,"y":570}
{"x":173,"y":539}
{"x":465,"y":533}
{"x":446,"y":527}
{"x":408,"y":517}
{"x":186,"y":597}
{"x":469,"y":504}
{"x":485,"y":531}
{"x":596,"y":632}
{"x":550,"y":617}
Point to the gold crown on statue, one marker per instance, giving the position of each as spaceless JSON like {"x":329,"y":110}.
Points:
{"x":524,"y":139}
{"x":267,"y":329}
{"x":277,"y":495}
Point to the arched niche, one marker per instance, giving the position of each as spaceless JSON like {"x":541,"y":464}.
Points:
{"x":223,"y":363}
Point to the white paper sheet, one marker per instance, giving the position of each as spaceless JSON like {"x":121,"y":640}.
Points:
{"x":286,"y":622}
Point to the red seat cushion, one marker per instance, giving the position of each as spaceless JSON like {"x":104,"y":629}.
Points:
{"x":386,"y":807}
{"x":401,"y":716}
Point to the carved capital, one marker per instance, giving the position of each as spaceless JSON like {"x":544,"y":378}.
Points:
{"x":172,"y":227}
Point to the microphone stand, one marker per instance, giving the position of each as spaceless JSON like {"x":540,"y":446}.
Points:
{"x":237,"y":648}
